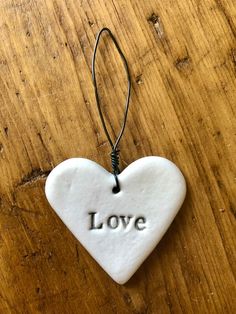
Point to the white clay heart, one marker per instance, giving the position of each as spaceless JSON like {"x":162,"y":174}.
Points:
{"x":118,"y":230}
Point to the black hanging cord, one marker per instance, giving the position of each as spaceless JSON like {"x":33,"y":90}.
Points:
{"x":114,"y":146}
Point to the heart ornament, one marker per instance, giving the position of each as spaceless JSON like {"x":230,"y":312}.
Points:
{"x":119,"y":230}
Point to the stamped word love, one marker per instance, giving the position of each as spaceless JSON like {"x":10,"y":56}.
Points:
{"x":114,"y":221}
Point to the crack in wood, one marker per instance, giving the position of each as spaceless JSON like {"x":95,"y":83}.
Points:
{"x":181,"y":63}
{"x":33,"y":176}
{"x":157,"y":23}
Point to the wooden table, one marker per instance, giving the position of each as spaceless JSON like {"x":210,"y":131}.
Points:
{"x":182,"y":58}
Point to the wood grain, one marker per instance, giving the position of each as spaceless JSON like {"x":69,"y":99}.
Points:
{"x":182,"y":57}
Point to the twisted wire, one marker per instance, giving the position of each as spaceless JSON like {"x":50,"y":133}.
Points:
{"x":115,"y":152}
{"x":115,"y":161}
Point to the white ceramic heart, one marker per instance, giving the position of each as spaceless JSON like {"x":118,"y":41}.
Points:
{"x":118,"y":230}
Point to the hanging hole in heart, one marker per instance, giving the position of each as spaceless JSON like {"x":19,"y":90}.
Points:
{"x":116,"y":189}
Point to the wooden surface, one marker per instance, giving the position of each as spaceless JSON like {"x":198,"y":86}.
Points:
{"x":182,"y":57}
